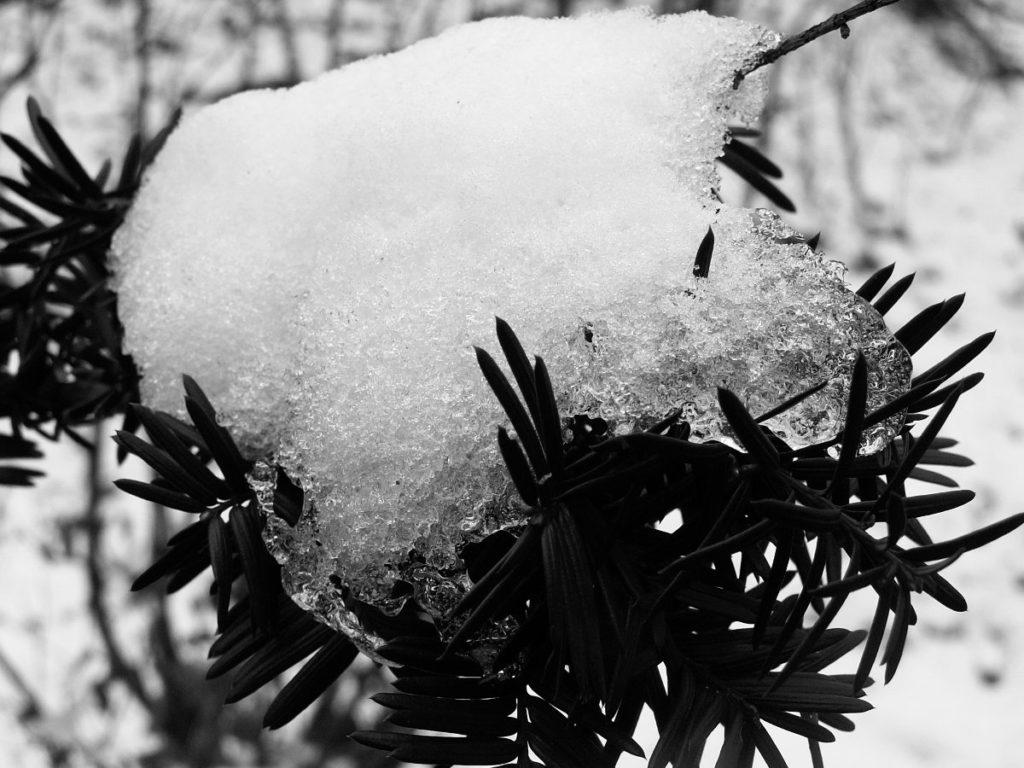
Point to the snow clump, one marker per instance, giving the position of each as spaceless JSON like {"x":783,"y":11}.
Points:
{"x":323,"y":259}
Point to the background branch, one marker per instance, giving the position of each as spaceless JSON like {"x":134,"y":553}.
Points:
{"x":59,"y":746}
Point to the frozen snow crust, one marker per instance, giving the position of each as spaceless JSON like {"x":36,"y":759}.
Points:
{"x":322,"y":259}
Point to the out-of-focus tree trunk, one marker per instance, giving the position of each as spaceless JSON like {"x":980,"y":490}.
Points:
{"x":142,"y":48}
{"x":714,"y":7}
{"x":121,"y":669}
{"x":285,"y":27}
{"x":333,"y":28}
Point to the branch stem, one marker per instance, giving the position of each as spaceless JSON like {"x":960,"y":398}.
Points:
{"x":831,"y":24}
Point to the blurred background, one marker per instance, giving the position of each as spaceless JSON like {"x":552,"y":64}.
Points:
{"x":902,"y":143}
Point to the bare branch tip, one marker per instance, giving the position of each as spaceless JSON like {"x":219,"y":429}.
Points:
{"x":839,"y":21}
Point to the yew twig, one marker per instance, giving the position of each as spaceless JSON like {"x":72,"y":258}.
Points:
{"x":838,"y":21}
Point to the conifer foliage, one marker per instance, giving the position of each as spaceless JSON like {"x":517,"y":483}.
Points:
{"x":727,"y":621}
{"x":63,"y":365}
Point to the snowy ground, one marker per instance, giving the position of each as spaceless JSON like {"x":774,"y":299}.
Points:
{"x":959,"y":692}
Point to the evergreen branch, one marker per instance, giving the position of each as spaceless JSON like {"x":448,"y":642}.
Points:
{"x":838,"y":21}
{"x":597,"y":599}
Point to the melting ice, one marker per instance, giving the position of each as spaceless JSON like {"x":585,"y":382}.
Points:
{"x":773,"y":319}
{"x":322,"y":259}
